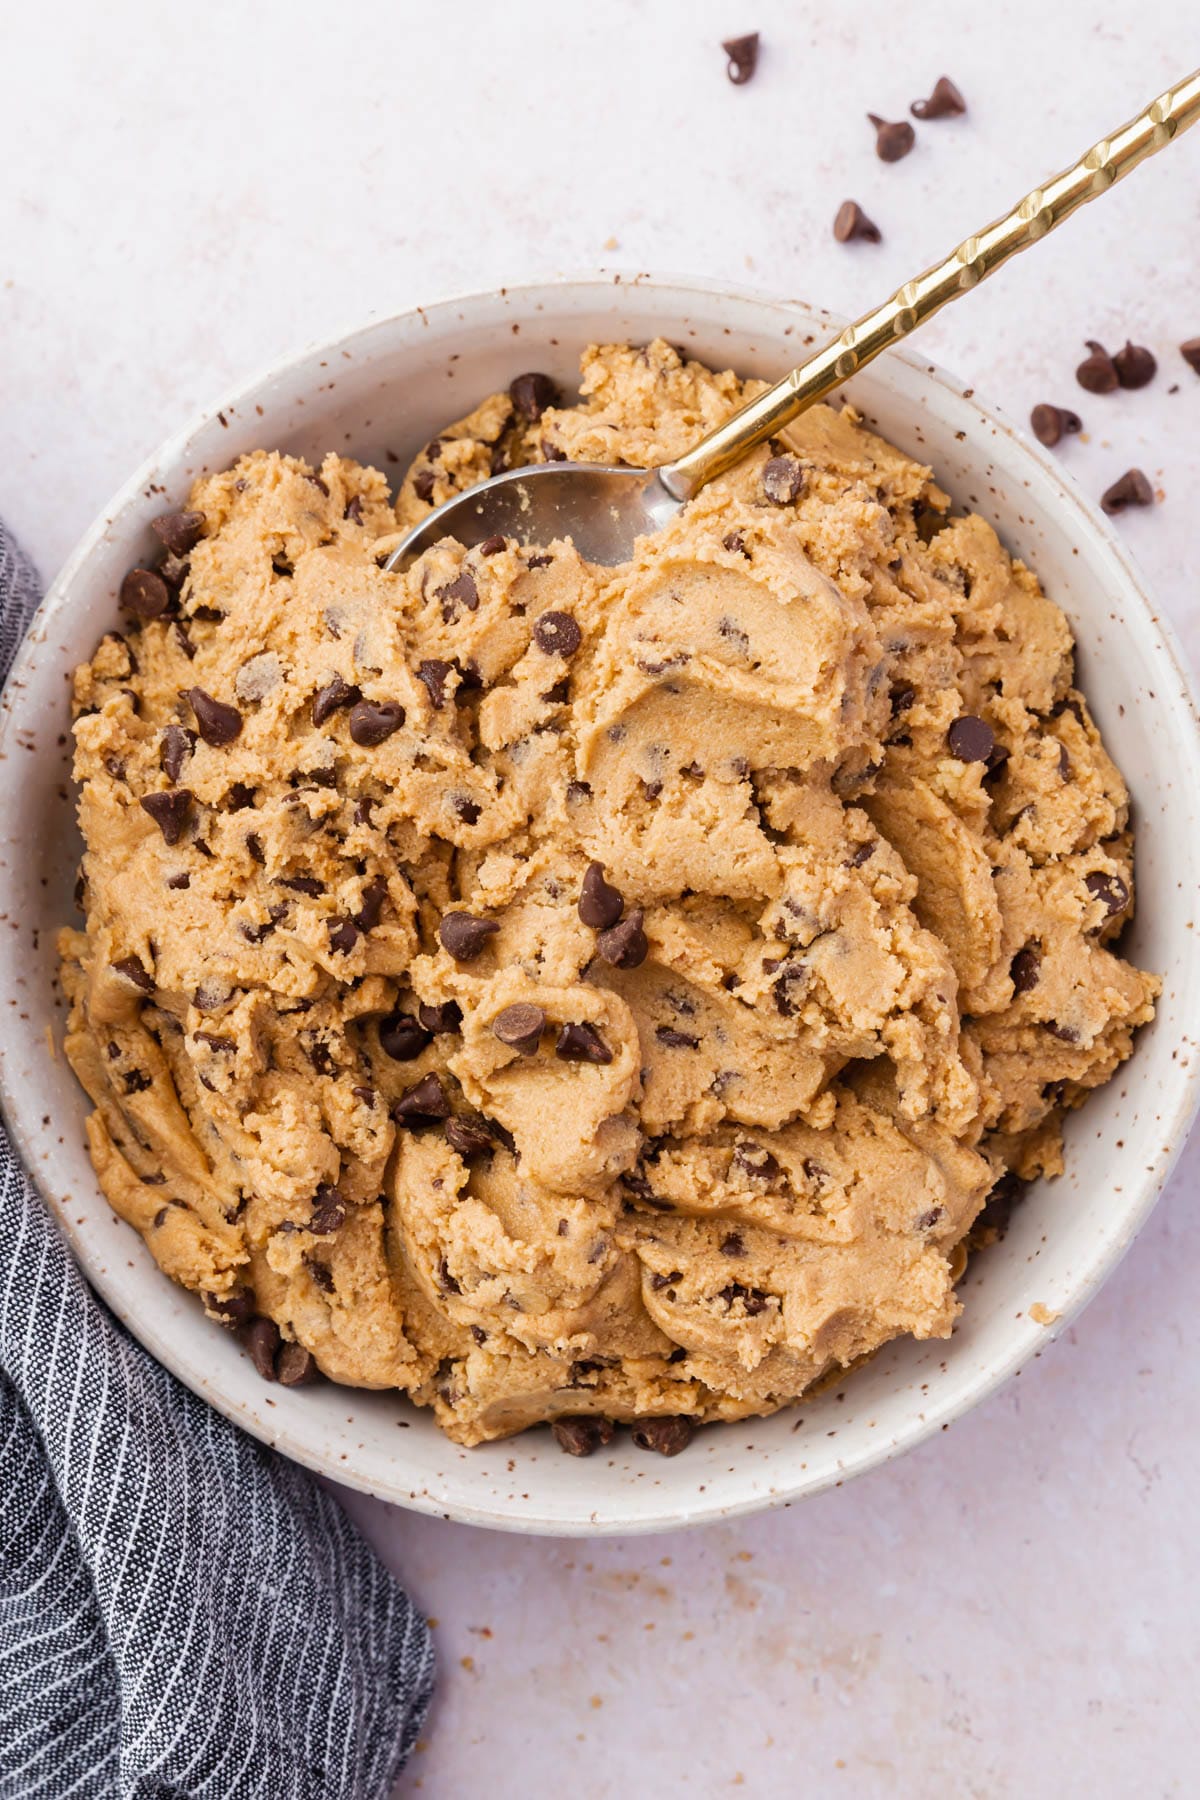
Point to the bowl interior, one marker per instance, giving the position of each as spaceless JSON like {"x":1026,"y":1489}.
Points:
{"x":378,"y":395}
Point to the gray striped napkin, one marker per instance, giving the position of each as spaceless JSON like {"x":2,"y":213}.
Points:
{"x":182,"y":1612}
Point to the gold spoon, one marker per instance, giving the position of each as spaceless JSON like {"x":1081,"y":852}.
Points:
{"x":605,"y":509}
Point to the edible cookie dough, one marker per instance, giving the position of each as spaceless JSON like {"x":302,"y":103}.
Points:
{"x":560,"y":992}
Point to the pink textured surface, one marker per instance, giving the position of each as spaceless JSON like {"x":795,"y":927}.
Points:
{"x":1009,"y":1611}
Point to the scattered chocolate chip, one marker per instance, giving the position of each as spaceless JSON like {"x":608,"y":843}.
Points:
{"x":893,"y":139}
{"x":428,"y":1100}
{"x":1026,"y":969}
{"x":600,"y":904}
{"x":944,"y":102}
{"x":971,"y":739}
{"x":169,"y":810}
{"x":371,"y":721}
{"x":672,"y":1039}
{"x":520,"y":1026}
{"x":132,"y":970}
{"x":179,"y":532}
{"x":333,"y":695}
{"x":558,"y":634}
{"x":296,"y":1367}
{"x":402,"y":1037}
{"x":1135,"y":365}
{"x":625,"y":946}
{"x":1097,"y":372}
{"x":328,"y":1211}
{"x":733,"y":1245}
{"x":1050,"y":423}
{"x":261,"y":1338}
{"x":582,"y":1043}
{"x":464,"y":936}
{"x":783,"y":480}
{"x":668,"y":1436}
{"x":470,"y":1137}
{"x":1190,"y":352}
{"x":742,"y":53}
{"x":219,"y":724}
{"x":852,"y":225}
{"x":343,"y":935}
{"x":434,"y":673}
{"x":145,"y":593}
{"x":579,"y":1434}
{"x":1110,"y":890}
{"x":531,"y":394}
{"x":440,"y":1019}
{"x":1130,"y":489}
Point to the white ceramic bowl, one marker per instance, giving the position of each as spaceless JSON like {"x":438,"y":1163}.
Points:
{"x":379,"y":393}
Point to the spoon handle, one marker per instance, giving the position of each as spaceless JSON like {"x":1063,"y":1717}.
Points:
{"x":918,"y":300}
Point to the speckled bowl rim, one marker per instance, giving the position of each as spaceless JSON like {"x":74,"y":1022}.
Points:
{"x":1027,"y":1337}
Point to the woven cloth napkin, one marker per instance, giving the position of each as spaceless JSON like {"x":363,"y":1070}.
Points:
{"x":181,"y":1611}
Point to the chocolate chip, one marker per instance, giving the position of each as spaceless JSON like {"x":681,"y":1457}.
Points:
{"x":365,"y":1094}
{"x":998,"y":1207}
{"x":783,"y":480}
{"x":752,"y":1159}
{"x":302,"y":884}
{"x":531,"y":394}
{"x":852,"y":225}
{"x":470,"y":1137}
{"x":1067,"y":1033}
{"x":600,"y":904}
{"x":893,"y":139}
{"x":676,"y":1040}
{"x":321,"y":1273}
{"x":1026,"y":970}
{"x":1190,"y":352}
{"x":145,"y":593}
{"x":180,"y":532}
{"x":520,"y":1026}
{"x":423,"y":482}
{"x":434,"y":673}
{"x":625,"y":946}
{"x":441,"y":1019}
{"x":343,"y":935}
{"x":371,"y":721}
{"x":582,"y":1043}
{"x":328,"y":1211}
{"x":1135,"y":365}
{"x":261,"y":1339}
{"x":464,"y":936}
{"x":735,"y":543}
{"x":926,"y":1220}
{"x":428,"y":1100}
{"x":182,"y":880}
{"x":558,"y":634}
{"x":402,"y":1037}
{"x":743,"y":57}
{"x":333,"y":695}
{"x":1097,"y":372}
{"x":733,"y":1245}
{"x":1110,"y":890}
{"x":944,"y":102}
{"x":753,"y":1300}
{"x":219,"y":724}
{"x":135,"y":1081}
{"x":132,"y":970}
{"x":240,"y":797}
{"x":971,"y":739}
{"x":1050,"y":423}
{"x":1130,"y":489}
{"x":183,"y":640}
{"x":235,"y":1309}
{"x":668,"y":1436}
{"x":466,"y":809}
{"x":579,"y":1434}
{"x":296,"y":1367}
{"x":354,"y":510}
{"x":169,"y":810}
{"x":461,"y":588}
{"x":317,"y":482}
{"x":374,"y":896}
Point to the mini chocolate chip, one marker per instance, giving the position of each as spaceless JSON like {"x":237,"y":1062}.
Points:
{"x":296,"y":1367}
{"x":261,"y":1339}
{"x":371,"y":721}
{"x":733,"y":1245}
{"x":944,"y":102}
{"x":182,"y":880}
{"x":132,"y":970}
{"x":1130,"y":489}
{"x":219,"y":724}
{"x":753,"y":1300}
{"x":362,"y":810}
{"x":169,"y":810}
{"x":1026,"y":970}
{"x":145,"y":593}
{"x":1067,"y":1033}
{"x":427,"y":1100}
{"x":625,"y":946}
{"x":600,"y":904}
{"x":440,"y":1019}
{"x":753,"y":1159}
{"x":558,"y":634}
{"x":328,"y":1211}
{"x":1135,"y":365}
{"x":540,"y":562}
{"x":461,"y":588}
{"x":466,"y":809}
{"x":531,"y":394}
{"x":579,"y":1434}
{"x":240,"y":797}
{"x":343,"y":935}
{"x":180,"y":532}
{"x":434,"y":674}
{"x":971,"y":739}
{"x":997,"y":1208}
{"x":492,"y":546}
{"x":893,"y":139}
{"x":464,"y":936}
{"x":926,"y":1220}
{"x":520,"y":1026}
{"x":302,"y":884}
{"x":783,"y":480}
{"x":1110,"y":890}
{"x":668,"y":1435}
{"x":743,"y":57}
{"x":135,"y":1081}
{"x":1050,"y":423}
{"x":1097,"y":372}
{"x":735,"y":543}
{"x":676,"y":1040}
{"x":402,"y":1037}
{"x":470,"y":1137}
{"x":1190,"y":352}
{"x":321,"y":1273}
{"x":328,"y":699}
{"x":582,"y":1043}
{"x":852,"y":225}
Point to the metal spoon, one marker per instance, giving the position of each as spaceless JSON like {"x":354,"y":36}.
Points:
{"x":605,"y":509}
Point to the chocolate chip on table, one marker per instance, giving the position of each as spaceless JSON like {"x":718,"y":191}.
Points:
{"x":328,"y":1212}
{"x":1051,"y":423}
{"x":600,"y":904}
{"x":261,"y":1338}
{"x":402,"y":1037}
{"x":132,"y":970}
{"x":441,"y":1019}
{"x":371,"y":721}
{"x":343,"y":935}
{"x":582,"y":1043}
{"x":672,"y":1039}
{"x":531,"y":394}
{"x":668,"y":1435}
{"x":434,"y":673}
{"x":1135,"y":365}
{"x":893,"y":138}
{"x":1190,"y":352}
{"x":470,"y":1137}
{"x":179,"y":532}
{"x":334,"y":694}
{"x":295,"y":1366}
{"x":520,"y":1026}
{"x":853,"y":226}
{"x":464,"y":936}
{"x":145,"y":593}
{"x":971,"y":739}
{"x":1026,"y":970}
{"x":1097,"y":372}
{"x":558,"y":634}
{"x":1130,"y":489}
{"x":783,"y":480}
{"x":427,"y":1100}
{"x":1110,"y":890}
{"x":580,"y":1434}
{"x":742,"y":54}
{"x":169,"y":810}
{"x":625,"y":946}
{"x":945,"y":101}
{"x":218,"y":724}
